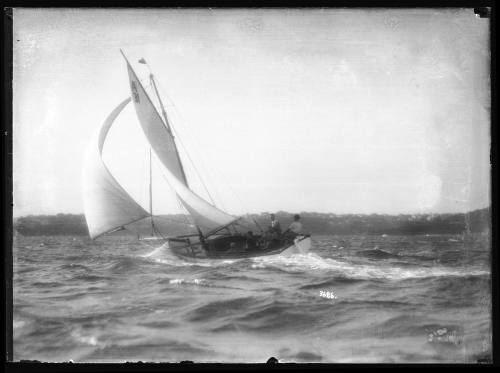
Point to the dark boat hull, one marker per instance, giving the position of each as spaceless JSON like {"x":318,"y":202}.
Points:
{"x":237,"y":247}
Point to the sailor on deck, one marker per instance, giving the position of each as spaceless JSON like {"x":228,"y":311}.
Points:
{"x":275,"y":225}
{"x":295,"y":228}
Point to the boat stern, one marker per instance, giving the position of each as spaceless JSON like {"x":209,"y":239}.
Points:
{"x":301,"y":245}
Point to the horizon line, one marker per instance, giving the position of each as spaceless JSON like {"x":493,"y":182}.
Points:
{"x":291,"y":213}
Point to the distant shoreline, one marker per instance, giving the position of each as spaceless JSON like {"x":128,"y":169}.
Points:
{"x":315,"y":223}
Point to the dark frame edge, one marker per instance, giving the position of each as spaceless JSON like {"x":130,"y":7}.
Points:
{"x":6,"y":49}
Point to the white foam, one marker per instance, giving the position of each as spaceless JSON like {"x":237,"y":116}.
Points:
{"x":90,"y":340}
{"x":164,"y":255}
{"x":194,"y":281}
{"x":311,"y":261}
{"x":155,"y":252}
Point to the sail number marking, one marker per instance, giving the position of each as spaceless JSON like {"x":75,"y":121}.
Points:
{"x":135,"y":94}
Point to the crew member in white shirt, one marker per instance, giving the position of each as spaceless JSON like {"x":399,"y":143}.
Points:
{"x":295,"y":228}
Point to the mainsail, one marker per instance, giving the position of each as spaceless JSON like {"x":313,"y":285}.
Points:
{"x":107,"y":205}
{"x":162,"y":142}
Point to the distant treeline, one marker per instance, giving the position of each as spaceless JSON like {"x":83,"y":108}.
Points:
{"x":314,"y":223}
{"x":475,"y":221}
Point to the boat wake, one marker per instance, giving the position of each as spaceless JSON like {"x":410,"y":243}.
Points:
{"x":164,"y":255}
{"x":156,"y":251}
{"x":312,"y":262}
{"x":298,"y":263}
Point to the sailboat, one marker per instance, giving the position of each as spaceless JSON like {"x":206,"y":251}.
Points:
{"x":109,"y":207}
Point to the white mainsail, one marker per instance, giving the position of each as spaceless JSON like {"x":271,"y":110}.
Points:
{"x":107,"y":205}
{"x":162,"y":142}
{"x":159,"y":137}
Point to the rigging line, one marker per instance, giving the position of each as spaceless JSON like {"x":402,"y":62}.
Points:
{"x":208,"y":170}
{"x":145,"y":86}
{"x":194,"y":166}
{"x":156,"y":231}
{"x":186,"y":216}
{"x":189,"y":222}
{"x":250,"y":217}
{"x":144,"y":179}
{"x":183,"y":146}
{"x":202,"y":163}
{"x":182,"y":208}
{"x":184,"y":123}
{"x":225,"y":180}
{"x":151,"y":191}
{"x":176,"y":197}
{"x":143,"y":192}
{"x":187,"y":153}
{"x":171,"y":220}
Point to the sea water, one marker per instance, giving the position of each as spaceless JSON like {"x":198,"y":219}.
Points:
{"x":352,"y":299}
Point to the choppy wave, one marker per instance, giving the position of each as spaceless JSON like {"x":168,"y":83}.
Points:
{"x":351,"y":299}
{"x":376,"y":253}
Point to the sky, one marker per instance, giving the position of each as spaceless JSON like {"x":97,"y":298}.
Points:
{"x":326,"y":110}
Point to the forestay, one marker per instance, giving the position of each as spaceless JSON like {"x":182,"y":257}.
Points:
{"x":107,"y":205}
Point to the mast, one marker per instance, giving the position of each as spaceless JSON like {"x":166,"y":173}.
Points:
{"x":157,"y":129}
{"x":151,"y":193}
{"x":167,"y":125}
